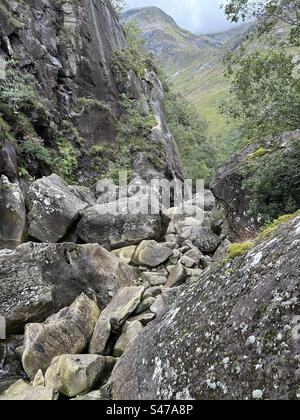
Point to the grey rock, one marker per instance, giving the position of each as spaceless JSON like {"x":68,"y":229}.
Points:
{"x":84,"y":194}
{"x":54,"y":208}
{"x":144,"y":318}
{"x":177,"y":276}
{"x":113,"y":317}
{"x":73,"y":375}
{"x":22,"y":391}
{"x":37,"y":280}
{"x":154,"y":279}
{"x":130,"y":332}
{"x":125,"y":254}
{"x":113,"y":226}
{"x":202,"y":238}
{"x":8,"y":163}
{"x":151,"y":254}
{"x":145,"y":304}
{"x":12,"y":214}
{"x":67,"y":332}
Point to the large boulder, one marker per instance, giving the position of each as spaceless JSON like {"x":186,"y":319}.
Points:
{"x":67,"y":332}
{"x":121,"y":224}
{"x":12,"y":214}
{"x":228,"y":190}
{"x":73,"y":375}
{"x":53,"y":209}
{"x":37,"y":280}
{"x":114,"y":316}
{"x":232,"y":335}
{"x":151,"y":254}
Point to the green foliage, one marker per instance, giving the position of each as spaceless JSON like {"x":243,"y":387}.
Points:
{"x":273,"y":182}
{"x":260,"y":152}
{"x":67,"y":161}
{"x":190,"y":133}
{"x":33,"y":149}
{"x":265,"y":94}
{"x":16,"y":89}
{"x":269,"y":14}
{"x":119,"y":6}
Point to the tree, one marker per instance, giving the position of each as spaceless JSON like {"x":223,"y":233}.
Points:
{"x":266,"y":81}
{"x":269,"y":14}
{"x":266,"y":95}
{"x":119,"y":6}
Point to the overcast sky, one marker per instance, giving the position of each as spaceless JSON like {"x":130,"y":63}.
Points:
{"x":196,"y":15}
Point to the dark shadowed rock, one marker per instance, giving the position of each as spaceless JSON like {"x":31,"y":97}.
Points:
{"x":37,"y":280}
{"x":12,"y":214}
{"x":228,"y":189}
{"x":8,"y":163}
{"x":232,"y":335}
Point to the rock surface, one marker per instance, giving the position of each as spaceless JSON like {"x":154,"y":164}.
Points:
{"x":232,"y":335}
{"x":114,"y":316}
{"x":228,"y":190}
{"x":54,"y":208}
{"x":151,"y":254}
{"x":112,"y":225}
{"x":12,"y":214}
{"x":67,"y":332}
{"x":37,"y":280}
{"x":73,"y":375}
{"x":22,"y":391}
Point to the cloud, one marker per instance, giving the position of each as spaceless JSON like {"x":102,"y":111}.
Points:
{"x":203,"y":16}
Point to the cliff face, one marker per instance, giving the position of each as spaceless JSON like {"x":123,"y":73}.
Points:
{"x":68,"y":47}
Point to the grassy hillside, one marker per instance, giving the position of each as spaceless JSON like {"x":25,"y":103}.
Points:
{"x":193,"y":64}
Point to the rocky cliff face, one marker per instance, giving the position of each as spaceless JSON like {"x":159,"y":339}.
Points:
{"x":68,"y":49}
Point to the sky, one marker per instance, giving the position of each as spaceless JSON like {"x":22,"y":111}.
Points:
{"x":204,"y":16}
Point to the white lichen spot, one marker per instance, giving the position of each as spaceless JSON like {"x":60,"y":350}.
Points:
{"x":258,"y":394}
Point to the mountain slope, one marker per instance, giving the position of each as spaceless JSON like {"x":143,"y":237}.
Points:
{"x":192,"y":62}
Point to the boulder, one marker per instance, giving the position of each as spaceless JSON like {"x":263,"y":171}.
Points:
{"x":113,"y":317}
{"x":227,"y":187}
{"x":233,"y":335}
{"x":151,"y":254}
{"x":22,"y":391}
{"x":177,"y":276}
{"x":144,"y":318}
{"x":119,"y":224}
{"x":154,"y":279}
{"x":38,"y":280}
{"x":67,"y":332}
{"x":125,"y":254}
{"x":84,"y":194}
{"x":53,"y":209}
{"x":12,"y":214}
{"x":73,"y":375}
{"x":130,"y":332}
{"x":145,"y":304}
{"x":202,"y":238}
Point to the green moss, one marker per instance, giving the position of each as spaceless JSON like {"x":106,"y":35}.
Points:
{"x":240,"y":249}
{"x":90,"y":103}
{"x":260,"y":152}
{"x":272,"y":227}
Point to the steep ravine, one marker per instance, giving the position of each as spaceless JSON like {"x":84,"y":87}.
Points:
{"x":102,"y":304}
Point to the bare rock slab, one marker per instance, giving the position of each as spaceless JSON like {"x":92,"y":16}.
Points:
{"x":151,"y":254}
